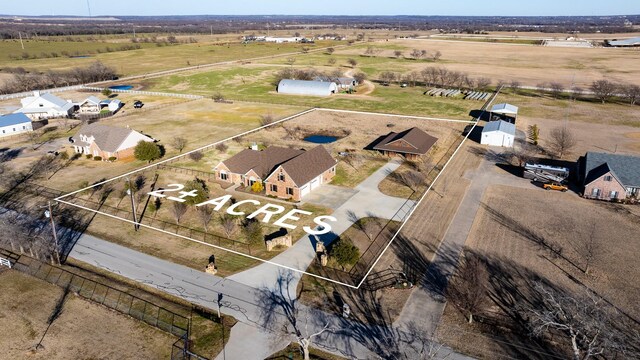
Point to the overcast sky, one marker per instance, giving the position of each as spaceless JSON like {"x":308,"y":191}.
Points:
{"x":321,"y":7}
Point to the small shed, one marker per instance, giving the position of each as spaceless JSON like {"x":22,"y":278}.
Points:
{"x":506,"y":112}
{"x":498,"y":133}
{"x":307,"y":87}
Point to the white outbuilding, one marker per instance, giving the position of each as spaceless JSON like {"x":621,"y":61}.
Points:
{"x":505,"y":111}
{"x":45,"y":106}
{"x":307,"y":87}
{"x":13,"y":124}
{"x":498,"y":133}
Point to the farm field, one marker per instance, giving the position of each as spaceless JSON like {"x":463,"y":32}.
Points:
{"x":146,"y":60}
{"x":26,"y":303}
{"x":506,"y":233}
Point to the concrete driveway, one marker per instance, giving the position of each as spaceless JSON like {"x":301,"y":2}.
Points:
{"x":368,"y":201}
{"x":330,"y":196}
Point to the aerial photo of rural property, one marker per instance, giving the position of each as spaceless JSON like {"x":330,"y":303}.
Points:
{"x":320,"y":180}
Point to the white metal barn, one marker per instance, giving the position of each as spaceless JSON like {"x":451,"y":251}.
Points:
{"x":45,"y":106}
{"x":505,"y":111}
{"x":307,"y":87}
{"x":14,"y":124}
{"x":498,"y":133}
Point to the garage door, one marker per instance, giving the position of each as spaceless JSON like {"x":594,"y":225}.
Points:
{"x":304,"y":190}
{"x":315,"y":183}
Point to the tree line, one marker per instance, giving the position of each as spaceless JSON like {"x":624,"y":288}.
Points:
{"x":22,"y":80}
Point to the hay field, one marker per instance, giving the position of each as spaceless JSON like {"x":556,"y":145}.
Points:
{"x":529,"y":64}
{"x":84,"y":330}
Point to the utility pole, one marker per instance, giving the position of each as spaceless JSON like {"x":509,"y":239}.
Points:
{"x":49,"y":213}
{"x":21,"y":43}
{"x":211,"y":30}
{"x":133,"y":205}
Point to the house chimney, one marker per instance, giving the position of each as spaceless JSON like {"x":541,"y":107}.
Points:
{"x":254,"y":147}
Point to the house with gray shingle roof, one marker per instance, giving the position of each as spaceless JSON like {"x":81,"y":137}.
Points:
{"x":609,"y":176}
{"x":107,"y":141}
{"x":286,"y":173}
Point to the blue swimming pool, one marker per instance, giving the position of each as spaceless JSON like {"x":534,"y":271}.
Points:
{"x":121,"y":87}
{"x":320,"y":139}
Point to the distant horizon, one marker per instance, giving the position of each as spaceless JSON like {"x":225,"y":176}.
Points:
{"x":467,"y":8}
{"x":306,"y":15}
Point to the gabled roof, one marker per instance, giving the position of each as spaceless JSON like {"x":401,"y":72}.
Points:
{"x":419,"y":141}
{"x":262,"y":162}
{"x":13,"y":119}
{"x":625,"y":167}
{"x":107,"y":138}
{"x":506,"y":109}
{"x":54,"y":102}
{"x":308,"y":165}
{"x":501,"y":126}
{"x":92,"y":100}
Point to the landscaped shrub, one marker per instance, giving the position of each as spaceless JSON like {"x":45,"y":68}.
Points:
{"x":97,"y":158}
{"x":257,"y":187}
{"x":222,"y":147}
{"x":89,"y":156}
{"x":113,"y":158}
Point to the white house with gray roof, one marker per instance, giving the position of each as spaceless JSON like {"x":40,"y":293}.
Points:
{"x":45,"y":106}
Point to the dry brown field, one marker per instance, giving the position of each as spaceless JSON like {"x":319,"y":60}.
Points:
{"x":507,"y":232}
{"x":529,"y":64}
{"x":82,"y":331}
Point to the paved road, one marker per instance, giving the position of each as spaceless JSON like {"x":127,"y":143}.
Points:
{"x":248,"y":339}
{"x":368,"y":201}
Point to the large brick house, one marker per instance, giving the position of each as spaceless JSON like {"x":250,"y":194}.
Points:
{"x":107,"y":141}
{"x":609,"y":176}
{"x":410,"y":143}
{"x":286,"y":173}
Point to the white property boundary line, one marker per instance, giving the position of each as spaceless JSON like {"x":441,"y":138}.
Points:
{"x":59,"y":199}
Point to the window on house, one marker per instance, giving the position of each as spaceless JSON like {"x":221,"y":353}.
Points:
{"x":274,"y":188}
{"x":223,"y":176}
{"x":595,"y":192}
{"x":290,"y":191}
{"x":281,"y":177}
{"x":24,"y":127}
{"x":607,"y":178}
{"x":613,"y":194}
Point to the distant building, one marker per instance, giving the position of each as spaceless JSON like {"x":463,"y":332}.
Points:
{"x":45,"y":106}
{"x":13,"y":124}
{"x":409,"y":144}
{"x":498,"y":133}
{"x":609,"y":176}
{"x":112,"y":105}
{"x":90,"y":105}
{"x":632,"y":42}
{"x":307,"y":87}
{"x":107,"y":141}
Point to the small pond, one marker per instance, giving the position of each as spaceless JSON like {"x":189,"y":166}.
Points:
{"x":121,"y":87}
{"x":320,"y":139}
{"x":80,"y":57}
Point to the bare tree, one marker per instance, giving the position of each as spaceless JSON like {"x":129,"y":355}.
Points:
{"x":291,"y":61}
{"x":604,"y":90}
{"x":296,"y":323}
{"x":483,"y":83}
{"x":631,"y":93}
{"x":416,"y":54}
{"x":331,"y":61}
{"x":179,"y":143}
{"x":588,"y":247}
{"x":397,"y":54}
{"x":411,"y":179}
{"x":515,"y":85}
{"x":266,"y":119}
{"x":436,"y":55}
{"x":354,"y":160}
{"x":468,"y":288}
{"x":205,"y":213}
{"x":522,"y":153}
{"x":352,"y":62}
{"x":369,"y":226}
{"x":387,"y":77}
{"x":556,"y":89}
{"x":330,"y":50}
{"x":178,"y":210}
{"x":229,"y":224}
{"x":196,"y":156}
{"x":585,"y":321}
{"x":561,"y":141}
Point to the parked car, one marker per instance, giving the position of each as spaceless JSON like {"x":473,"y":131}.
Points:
{"x":138,"y":104}
{"x":555,"y":186}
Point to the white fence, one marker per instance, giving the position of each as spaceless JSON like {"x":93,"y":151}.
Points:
{"x":5,"y":262}
{"x":30,"y":93}
{"x":150,"y":93}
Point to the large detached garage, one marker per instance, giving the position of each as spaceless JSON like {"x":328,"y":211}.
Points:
{"x":498,"y":133}
{"x":307,"y":87}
